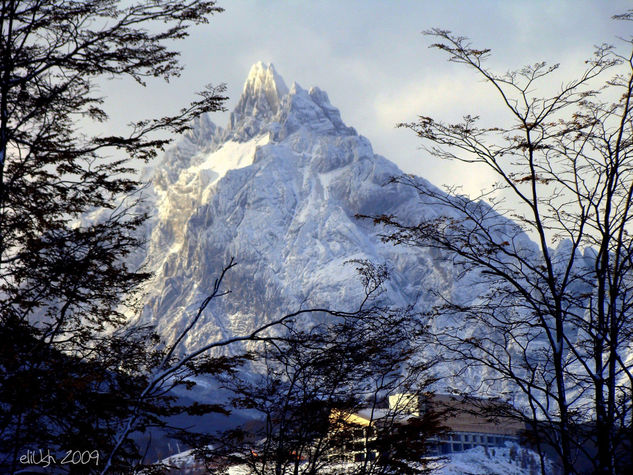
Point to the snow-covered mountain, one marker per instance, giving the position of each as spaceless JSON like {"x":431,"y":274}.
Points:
{"x":278,"y":189}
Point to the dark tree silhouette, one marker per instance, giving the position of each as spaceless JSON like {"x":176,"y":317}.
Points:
{"x":70,"y":372}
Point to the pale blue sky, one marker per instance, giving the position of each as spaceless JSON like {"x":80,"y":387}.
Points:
{"x":375,"y":64}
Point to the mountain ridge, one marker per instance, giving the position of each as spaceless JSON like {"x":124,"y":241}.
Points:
{"x":279,"y":189}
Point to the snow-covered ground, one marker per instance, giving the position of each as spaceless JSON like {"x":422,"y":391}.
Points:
{"x":509,"y":460}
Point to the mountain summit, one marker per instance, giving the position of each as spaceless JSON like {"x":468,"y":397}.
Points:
{"x":267,"y":105}
{"x":279,"y":190}
{"x":262,"y":93}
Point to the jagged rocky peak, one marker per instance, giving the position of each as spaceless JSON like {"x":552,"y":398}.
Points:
{"x":312,"y":109}
{"x":280,"y":189}
{"x":202,"y":130}
{"x":262,"y":93}
{"x":267,"y":105}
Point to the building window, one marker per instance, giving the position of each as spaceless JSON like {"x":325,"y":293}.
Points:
{"x":358,"y":446}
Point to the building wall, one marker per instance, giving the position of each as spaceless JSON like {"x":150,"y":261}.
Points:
{"x":460,"y":441}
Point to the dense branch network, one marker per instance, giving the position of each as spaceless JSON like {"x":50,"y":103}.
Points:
{"x":553,"y":317}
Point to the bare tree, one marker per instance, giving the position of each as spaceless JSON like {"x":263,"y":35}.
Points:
{"x":309,"y":380}
{"x":552,"y":320}
{"x":177,"y":368}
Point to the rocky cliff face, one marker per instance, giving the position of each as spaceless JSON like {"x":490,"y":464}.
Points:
{"x":278,"y":189}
